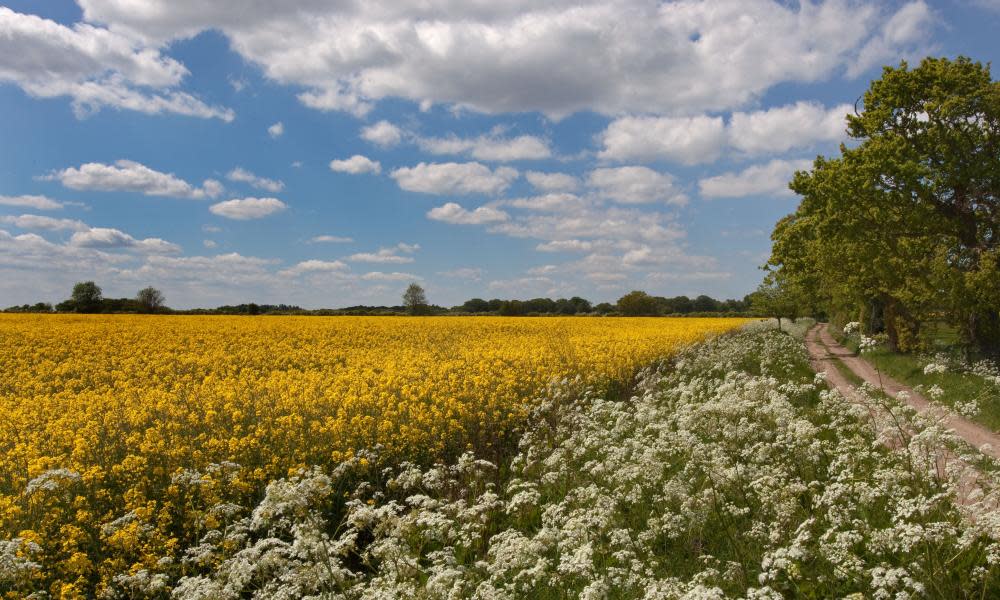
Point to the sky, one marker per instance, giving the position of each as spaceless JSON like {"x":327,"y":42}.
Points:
{"x":329,"y":154}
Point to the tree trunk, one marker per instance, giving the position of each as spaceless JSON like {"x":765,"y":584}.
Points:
{"x":984,"y":332}
{"x":890,"y":325}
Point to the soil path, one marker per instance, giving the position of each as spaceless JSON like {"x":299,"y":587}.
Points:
{"x":824,"y":350}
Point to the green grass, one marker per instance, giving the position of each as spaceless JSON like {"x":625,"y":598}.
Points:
{"x":847,"y":372}
{"x":958,"y":387}
{"x":797,"y":328}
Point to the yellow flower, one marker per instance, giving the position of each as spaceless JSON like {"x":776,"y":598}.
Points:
{"x":139,"y":409}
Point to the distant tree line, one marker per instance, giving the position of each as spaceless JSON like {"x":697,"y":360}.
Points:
{"x":902,"y":229}
{"x":87,"y":297}
{"x":636,"y":303}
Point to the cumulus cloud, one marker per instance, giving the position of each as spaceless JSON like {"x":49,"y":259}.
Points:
{"x":108,"y":239}
{"x":470,"y":273}
{"x":243,"y":209}
{"x":907,"y":28}
{"x":548,"y":202}
{"x":383,"y":134}
{"x":757,"y":180}
{"x":330,"y":239}
{"x":702,"y":139}
{"x":31,"y":253}
{"x":42,"y":222}
{"x":490,"y":147}
{"x":676,"y":57}
{"x":262,"y":183}
{"x":454,"y":178}
{"x":213,"y":275}
{"x":94,"y":67}
{"x":392,"y":255}
{"x":635,"y":185}
{"x":395,"y":276}
{"x":28,"y":201}
{"x":454,"y":213}
{"x":130,"y":176}
{"x":687,"y":140}
{"x":783,"y":128}
{"x":356,"y":165}
{"x":277,"y":130}
{"x":624,"y":225}
{"x":316,"y":266}
{"x":552,"y":182}
{"x":565,"y":246}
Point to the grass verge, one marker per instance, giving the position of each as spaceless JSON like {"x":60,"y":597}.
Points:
{"x":959,"y":388}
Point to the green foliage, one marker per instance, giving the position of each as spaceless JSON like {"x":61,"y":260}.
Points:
{"x":86,"y":297}
{"x":637,"y":303}
{"x":150,"y":298}
{"x":415,"y":300}
{"x":777,"y":298}
{"x":903,"y":226}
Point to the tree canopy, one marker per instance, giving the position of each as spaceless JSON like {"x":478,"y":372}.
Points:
{"x":415,"y":300}
{"x":903,"y":226}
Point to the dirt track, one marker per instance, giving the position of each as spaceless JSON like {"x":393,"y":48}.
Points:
{"x":824,"y":351}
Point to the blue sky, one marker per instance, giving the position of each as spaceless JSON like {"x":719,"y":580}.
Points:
{"x":293,"y":152}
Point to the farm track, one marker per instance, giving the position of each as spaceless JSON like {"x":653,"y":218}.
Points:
{"x":824,"y":351}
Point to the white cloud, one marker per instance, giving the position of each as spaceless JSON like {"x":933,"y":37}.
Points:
{"x":783,"y":128}
{"x":42,"y":222}
{"x":470,"y":273}
{"x":624,"y":225}
{"x":316,"y":266}
{"x":453,"y":213}
{"x":383,"y":134}
{"x":543,"y":270}
{"x":904,"y":35}
{"x":548,"y":202}
{"x":395,"y":276}
{"x":211,"y":229}
{"x":216,"y":276}
{"x":35,"y":202}
{"x":93,"y":66}
{"x":243,"y":209}
{"x":668,"y":277}
{"x":336,"y":99}
{"x":490,"y":147}
{"x":356,"y":165}
{"x":635,"y":185}
{"x":130,"y":176}
{"x":677,"y":57}
{"x":387,"y":255}
{"x":209,"y":243}
{"x":262,"y":183}
{"x":565,"y":246}
{"x":32,"y":253}
{"x":454,"y":178}
{"x":526,"y":287}
{"x":552,"y":182}
{"x":701,"y":139}
{"x":686,"y":140}
{"x":770,"y":179}
{"x":330,"y":239}
{"x":108,"y":239}
{"x":277,"y":130}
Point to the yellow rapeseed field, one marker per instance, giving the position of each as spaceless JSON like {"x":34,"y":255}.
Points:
{"x":103,"y":415}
